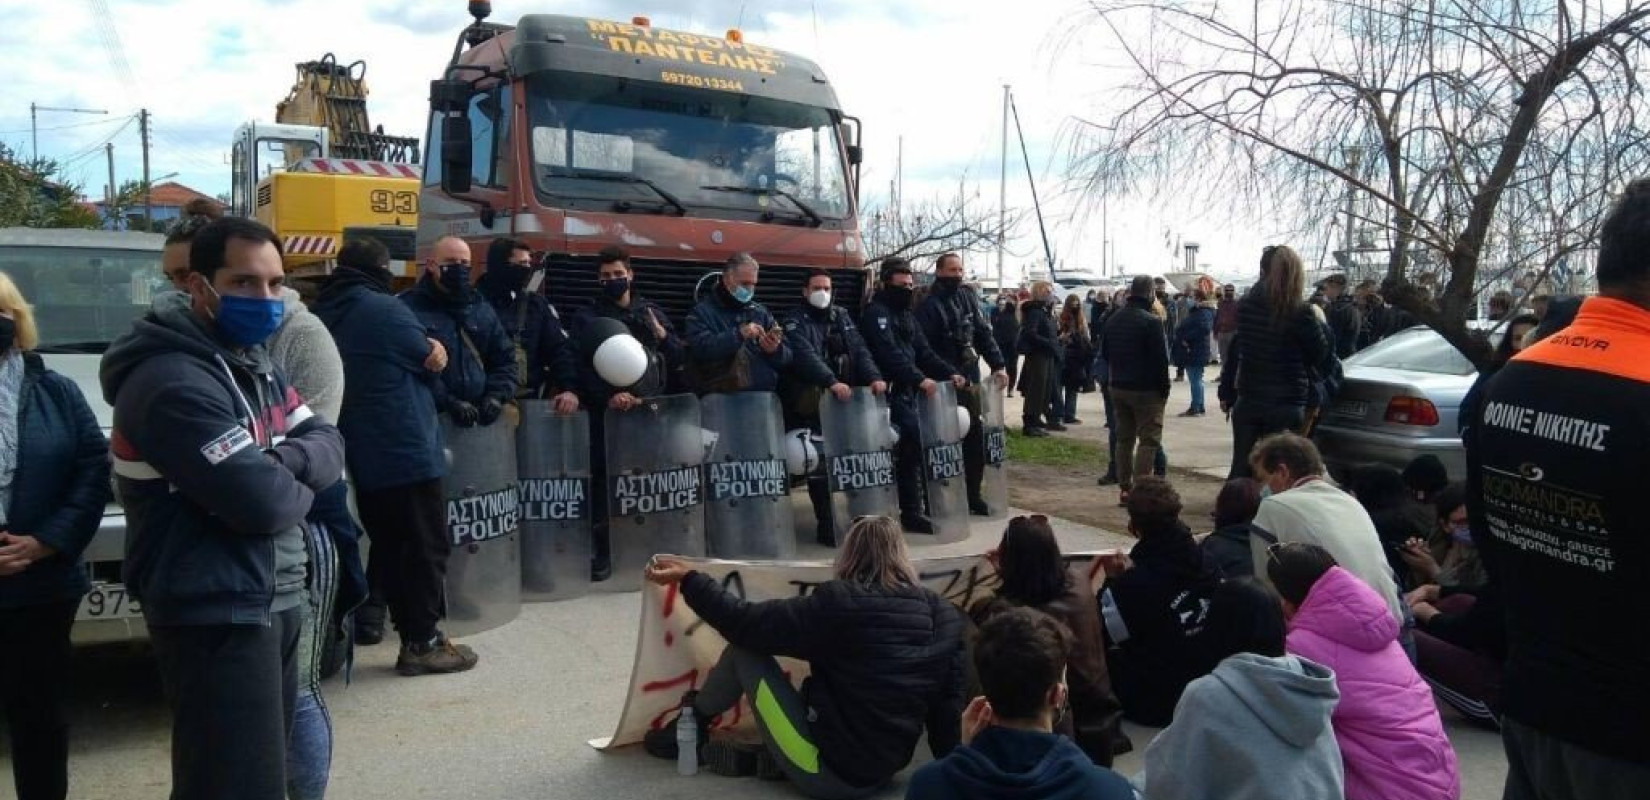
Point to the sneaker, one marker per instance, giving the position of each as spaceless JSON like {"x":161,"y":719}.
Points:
{"x":437,"y":657}
{"x":916,"y":523}
{"x":1189,"y":413}
{"x":1034,"y":433}
{"x":767,"y":767}
{"x":1055,"y":426}
{"x":369,"y":625}
{"x":1072,"y":421}
{"x":729,"y":758}
{"x":979,"y":508}
{"x":1107,"y":480}
{"x":600,"y":570}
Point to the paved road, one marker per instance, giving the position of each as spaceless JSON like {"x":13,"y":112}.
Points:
{"x":514,"y":728}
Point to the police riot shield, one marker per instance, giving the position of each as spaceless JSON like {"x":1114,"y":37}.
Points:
{"x":748,"y":511}
{"x":859,"y":457}
{"x":483,"y":527}
{"x":655,"y":487}
{"x":944,"y":470}
{"x":994,"y":440}
{"x":553,"y":451}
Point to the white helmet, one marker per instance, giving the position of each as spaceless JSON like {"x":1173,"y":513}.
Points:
{"x":620,"y":360}
{"x":964,"y":422}
{"x":801,"y":452}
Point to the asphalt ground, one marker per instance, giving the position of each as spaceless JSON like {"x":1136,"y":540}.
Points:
{"x":518,"y":725}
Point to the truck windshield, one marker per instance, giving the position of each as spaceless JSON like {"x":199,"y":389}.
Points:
{"x":694,"y":144}
{"x":83,"y":298}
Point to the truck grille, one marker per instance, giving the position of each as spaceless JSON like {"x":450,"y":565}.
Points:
{"x":402,"y":242}
{"x":573,"y":286}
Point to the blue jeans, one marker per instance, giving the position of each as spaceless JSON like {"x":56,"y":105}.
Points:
{"x":1070,"y":409}
{"x":1194,"y":378}
{"x":1056,"y":400}
{"x":309,"y":749}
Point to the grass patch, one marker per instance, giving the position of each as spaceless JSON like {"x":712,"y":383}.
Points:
{"x":1054,"y":451}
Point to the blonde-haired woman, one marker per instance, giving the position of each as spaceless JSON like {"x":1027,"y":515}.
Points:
{"x":1267,"y":379}
{"x":54,"y":485}
{"x":1039,"y":342}
{"x":885,"y":656}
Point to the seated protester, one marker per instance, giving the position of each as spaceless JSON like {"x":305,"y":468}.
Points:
{"x":1460,"y":642}
{"x":1300,"y":505}
{"x":1257,"y":727}
{"x":1153,"y":604}
{"x":1034,"y":576}
{"x":1392,"y":741}
{"x":885,"y":656}
{"x":1426,"y":476}
{"x":1447,"y":559}
{"x":1227,"y":548}
{"x":1399,"y":518}
{"x":1009,"y":749}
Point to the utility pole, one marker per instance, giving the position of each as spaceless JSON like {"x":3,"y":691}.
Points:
{"x":109,"y":209}
{"x":1354,"y":157}
{"x":34,"y":120}
{"x":148,"y":207}
{"x":1002,"y":195}
{"x":1105,"y":235}
{"x":899,"y":179}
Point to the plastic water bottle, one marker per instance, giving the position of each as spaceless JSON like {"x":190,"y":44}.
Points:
{"x":687,"y":743}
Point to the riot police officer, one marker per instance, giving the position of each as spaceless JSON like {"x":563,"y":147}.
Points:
{"x":651,"y":327}
{"x":830,"y":356}
{"x":903,"y":355}
{"x":960,"y":334}
{"x":544,"y":362}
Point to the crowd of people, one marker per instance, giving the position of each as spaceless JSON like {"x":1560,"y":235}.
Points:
{"x":1293,"y":651}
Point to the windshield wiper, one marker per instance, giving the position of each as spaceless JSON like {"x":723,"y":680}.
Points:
{"x":73,"y":348}
{"x":769,"y":191}
{"x":613,"y":177}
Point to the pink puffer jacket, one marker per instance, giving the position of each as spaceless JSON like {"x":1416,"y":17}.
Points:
{"x":1392,"y":742}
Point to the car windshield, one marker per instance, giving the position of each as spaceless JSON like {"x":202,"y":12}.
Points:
{"x":83,"y":298}
{"x":1415,"y":350}
{"x":607,"y":139}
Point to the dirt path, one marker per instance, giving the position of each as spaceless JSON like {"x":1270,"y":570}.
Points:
{"x":1072,"y":494}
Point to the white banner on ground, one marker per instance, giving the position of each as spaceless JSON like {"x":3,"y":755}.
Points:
{"x":674,"y":648}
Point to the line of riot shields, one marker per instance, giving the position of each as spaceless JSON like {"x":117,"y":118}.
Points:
{"x":696,"y":476}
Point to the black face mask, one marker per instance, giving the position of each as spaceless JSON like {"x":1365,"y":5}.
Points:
{"x":899,"y":297}
{"x":949,"y":284}
{"x":615,"y":288}
{"x":455,"y":278}
{"x":513,"y":277}
{"x":8,"y":334}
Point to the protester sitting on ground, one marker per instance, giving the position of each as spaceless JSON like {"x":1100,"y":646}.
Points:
{"x":1399,"y":518}
{"x":1300,"y":505}
{"x":1153,"y":604}
{"x":1034,"y":575}
{"x":1009,"y":748}
{"x":1258,"y":726}
{"x":1447,"y":558}
{"x":1392,"y":741}
{"x":1227,"y":548}
{"x":1426,"y":476}
{"x":885,"y":658}
{"x":1460,"y":641}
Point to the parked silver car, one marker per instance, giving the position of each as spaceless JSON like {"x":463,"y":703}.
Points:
{"x":87,"y":287}
{"x":1401,"y":399}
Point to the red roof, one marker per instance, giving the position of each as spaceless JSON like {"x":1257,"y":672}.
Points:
{"x":172,"y":193}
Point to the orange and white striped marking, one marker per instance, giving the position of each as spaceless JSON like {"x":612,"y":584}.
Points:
{"x":309,"y":245}
{"x":356,"y":166}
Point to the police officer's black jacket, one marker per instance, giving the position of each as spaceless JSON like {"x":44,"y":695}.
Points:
{"x":533,"y":325}
{"x":884,"y":663}
{"x":714,"y":338}
{"x":827,"y":348}
{"x":951,"y":320}
{"x":594,"y":392}
{"x":1134,"y":348}
{"x":481,"y":362}
{"x":1269,"y":363}
{"x":897,"y":343}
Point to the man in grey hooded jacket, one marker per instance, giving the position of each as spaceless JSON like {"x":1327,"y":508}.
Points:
{"x":218,"y":461}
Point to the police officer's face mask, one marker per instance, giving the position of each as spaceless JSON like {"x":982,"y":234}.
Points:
{"x":820,"y":299}
{"x":455,"y":277}
{"x":899,"y":296}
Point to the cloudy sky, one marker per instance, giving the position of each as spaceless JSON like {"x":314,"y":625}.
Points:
{"x":930,"y":71}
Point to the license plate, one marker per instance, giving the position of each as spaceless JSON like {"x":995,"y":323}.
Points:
{"x":1351,"y":408}
{"x":108,"y":601}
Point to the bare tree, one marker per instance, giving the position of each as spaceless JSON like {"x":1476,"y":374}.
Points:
{"x":925,"y":229}
{"x":1459,"y":136}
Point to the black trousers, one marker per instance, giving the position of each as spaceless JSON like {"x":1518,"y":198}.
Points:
{"x":408,"y":562}
{"x":34,"y":683}
{"x":601,"y":544}
{"x":973,"y":441}
{"x":231,"y":689}
{"x":902,"y":409}
{"x":1252,"y":422}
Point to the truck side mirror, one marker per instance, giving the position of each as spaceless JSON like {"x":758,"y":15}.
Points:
{"x":856,"y":154}
{"x":455,"y":155}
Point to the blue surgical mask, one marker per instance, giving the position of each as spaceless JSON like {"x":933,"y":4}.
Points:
{"x":247,"y":321}
{"x":1461,"y":533}
{"x":743,"y":294}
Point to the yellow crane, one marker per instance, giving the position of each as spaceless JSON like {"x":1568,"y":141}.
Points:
{"x":320,"y":174}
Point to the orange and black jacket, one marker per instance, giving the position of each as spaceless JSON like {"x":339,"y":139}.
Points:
{"x":1559,"y":471}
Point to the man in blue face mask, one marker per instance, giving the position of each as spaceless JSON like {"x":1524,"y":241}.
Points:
{"x":480,"y":378}
{"x":217,"y":462}
{"x":734,"y":342}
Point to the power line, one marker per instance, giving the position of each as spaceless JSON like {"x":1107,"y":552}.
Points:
{"x":112,"y":46}
{"x":110,"y":121}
